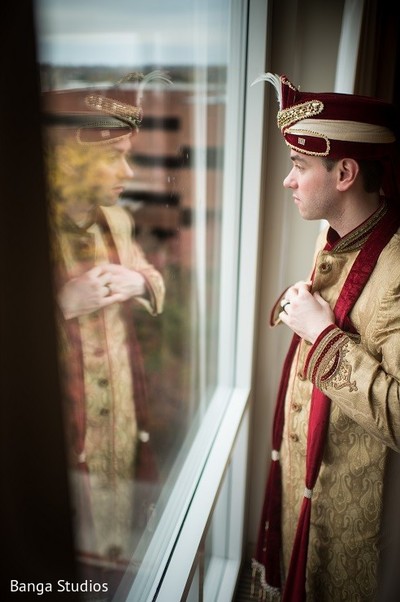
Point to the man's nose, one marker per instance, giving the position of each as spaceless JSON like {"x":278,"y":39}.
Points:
{"x":126,"y":170}
{"x":289,"y":181}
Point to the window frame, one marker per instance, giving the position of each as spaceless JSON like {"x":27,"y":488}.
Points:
{"x":225,"y":425}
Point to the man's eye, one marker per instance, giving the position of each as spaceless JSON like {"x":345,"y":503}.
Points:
{"x":111,"y":156}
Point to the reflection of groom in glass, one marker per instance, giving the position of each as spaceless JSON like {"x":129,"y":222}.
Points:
{"x":100,"y":270}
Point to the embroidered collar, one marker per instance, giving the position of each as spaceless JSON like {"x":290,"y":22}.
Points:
{"x":355,"y":239}
{"x":66,"y":224}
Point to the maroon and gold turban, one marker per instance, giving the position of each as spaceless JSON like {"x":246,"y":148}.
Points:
{"x":335,"y":125}
{"x":99,"y":116}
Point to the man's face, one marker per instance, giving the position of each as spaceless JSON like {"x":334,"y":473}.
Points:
{"x":89,"y":176}
{"x":313,"y":186}
{"x":110,"y":171}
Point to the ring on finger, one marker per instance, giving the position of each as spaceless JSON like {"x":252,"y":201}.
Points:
{"x":284,"y":303}
{"x":108,"y":286}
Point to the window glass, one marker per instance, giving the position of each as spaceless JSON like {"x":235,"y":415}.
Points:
{"x":134,"y":105}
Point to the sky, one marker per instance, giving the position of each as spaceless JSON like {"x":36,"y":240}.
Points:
{"x":132,"y":32}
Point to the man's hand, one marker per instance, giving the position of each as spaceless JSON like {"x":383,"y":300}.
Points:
{"x":125,"y":282}
{"x":306,"y":313}
{"x":99,"y":287}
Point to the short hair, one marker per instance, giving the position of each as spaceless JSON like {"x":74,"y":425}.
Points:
{"x":371,"y":171}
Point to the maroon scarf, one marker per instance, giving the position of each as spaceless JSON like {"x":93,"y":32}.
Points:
{"x":268,"y":552}
{"x":73,"y":376}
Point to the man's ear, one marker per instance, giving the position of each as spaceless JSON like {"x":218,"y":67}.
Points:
{"x":347,"y":171}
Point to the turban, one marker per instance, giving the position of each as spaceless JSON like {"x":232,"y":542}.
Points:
{"x":334,"y":125}
{"x":97,"y":115}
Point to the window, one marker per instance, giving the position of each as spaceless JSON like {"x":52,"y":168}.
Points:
{"x":188,"y":61}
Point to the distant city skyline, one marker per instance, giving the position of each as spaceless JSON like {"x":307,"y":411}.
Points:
{"x":132,"y":32}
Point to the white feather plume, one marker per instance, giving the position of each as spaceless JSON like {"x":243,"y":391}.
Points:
{"x":158,"y":75}
{"x":143,"y":80}
{"x":275,"y":80}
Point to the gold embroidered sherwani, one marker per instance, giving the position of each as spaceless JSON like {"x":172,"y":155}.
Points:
{"x":110,"y":434}
{"x":361,"y":375}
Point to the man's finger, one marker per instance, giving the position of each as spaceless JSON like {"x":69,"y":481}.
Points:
{"x":112,"y":268}
{"x":96,"y":271}
{"x":320,"y":299}
{"x":113,"y":298}
{"x":283,"y":317}
{"x":104,"y":278}
{"x":303,"y":287}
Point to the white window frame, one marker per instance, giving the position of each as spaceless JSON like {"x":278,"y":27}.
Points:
{"x":219,"y":450}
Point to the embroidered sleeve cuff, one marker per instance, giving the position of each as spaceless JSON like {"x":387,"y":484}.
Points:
{"x":326,"y":366}
{"x":155,"y":291}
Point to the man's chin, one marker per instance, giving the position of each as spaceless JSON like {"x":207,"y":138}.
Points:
{"x":110,"y":201}
{"x":306,"y":215}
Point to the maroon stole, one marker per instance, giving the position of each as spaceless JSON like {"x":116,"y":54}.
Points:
{"x":73,"y":378}
{"x":268,"y":552}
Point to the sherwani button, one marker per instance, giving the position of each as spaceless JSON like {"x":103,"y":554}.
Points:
{"x":294,"y":437}
{"x":296,"y":407}
{"x":104,"y":412}
{"x":103,"y":382}
{"x":143,"y":436}
{"x":114,"y":552}
{"x":325,"y":267}
{"x":84,"y":244}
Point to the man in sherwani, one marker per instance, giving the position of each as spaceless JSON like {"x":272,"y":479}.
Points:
{"x":326,"y":531}
{"x":101,"y":273}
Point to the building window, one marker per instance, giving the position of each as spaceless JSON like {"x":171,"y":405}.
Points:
{"x":147,"y":377}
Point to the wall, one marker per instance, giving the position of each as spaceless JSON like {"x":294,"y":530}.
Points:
{"x":304,"y":40}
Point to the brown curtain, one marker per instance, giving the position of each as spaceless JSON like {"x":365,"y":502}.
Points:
{"x":36,"y":534}
{"x":378,"y":75}
{"x":378,"y":60}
